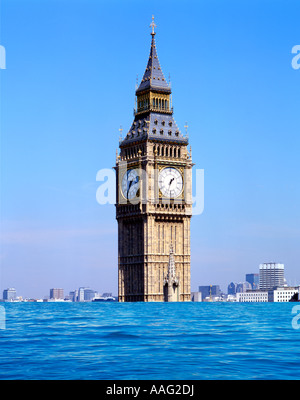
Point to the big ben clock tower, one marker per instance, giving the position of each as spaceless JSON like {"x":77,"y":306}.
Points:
{"x":154,"y":199}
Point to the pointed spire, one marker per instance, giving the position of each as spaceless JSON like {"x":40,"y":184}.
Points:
{"x":153,"y":77}
{"x":171,"y":266}
{"x":171,"y":280}
{"x":171,"y":277}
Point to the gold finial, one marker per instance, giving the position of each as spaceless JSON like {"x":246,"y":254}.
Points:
{"x":186,"y":126}
{"x":120,"y":135}
{"x":152,"y":25}
{"x":118,"y":157}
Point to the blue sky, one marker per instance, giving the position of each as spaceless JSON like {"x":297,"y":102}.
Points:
{"x":69,"y":83}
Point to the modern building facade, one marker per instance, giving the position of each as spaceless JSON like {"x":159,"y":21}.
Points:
{"x":253,"y":279}
{"x":210,"y":290}
{"x":57,"y":294}
{"x":243,"y":287}
{"x":9,"y":294}
{"x":73,"y":295}
{"x":271,"y":275}
{"x":154,"y":195}
{"x":89,"y":294}
{"x":231,"y":289}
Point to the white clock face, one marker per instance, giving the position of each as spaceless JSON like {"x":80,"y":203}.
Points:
{"x":130,"y":183}
{"x":170,"y":182}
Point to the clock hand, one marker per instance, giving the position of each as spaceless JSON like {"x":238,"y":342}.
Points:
{"x":130,"y":183}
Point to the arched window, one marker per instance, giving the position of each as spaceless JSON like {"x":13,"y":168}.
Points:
{"x":175,"y":152}
{"x":167,"y":152}
{"x":158,"y":150}
{"x":162,"y":151}
{"x":170,"y":151}
{"x":178,"y":153}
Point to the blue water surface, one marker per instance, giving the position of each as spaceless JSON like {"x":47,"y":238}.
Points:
{"x":175,"y":341}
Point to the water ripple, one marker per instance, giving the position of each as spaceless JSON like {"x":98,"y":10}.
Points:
{"x":149,"y":341}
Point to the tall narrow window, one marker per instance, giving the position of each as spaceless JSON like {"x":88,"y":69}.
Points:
{"x":158,"y":239}
{"x":175,"y":241}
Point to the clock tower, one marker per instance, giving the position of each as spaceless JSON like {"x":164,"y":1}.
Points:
{"x":154,"y":196}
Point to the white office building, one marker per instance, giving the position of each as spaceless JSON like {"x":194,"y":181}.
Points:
{"x":271,"y":275}
{"x":252,"y":296}
{"x":282,"y":294}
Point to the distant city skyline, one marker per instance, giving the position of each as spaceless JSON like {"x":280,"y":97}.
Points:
{"x":68,"y":87}
{"x":270,"y":276}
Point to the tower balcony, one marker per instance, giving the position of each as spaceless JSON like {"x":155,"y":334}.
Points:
{"x":161,"y":109}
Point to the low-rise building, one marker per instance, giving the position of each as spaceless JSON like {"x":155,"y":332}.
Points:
{"x":282,"y":294}
{"x":252,"y":296}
